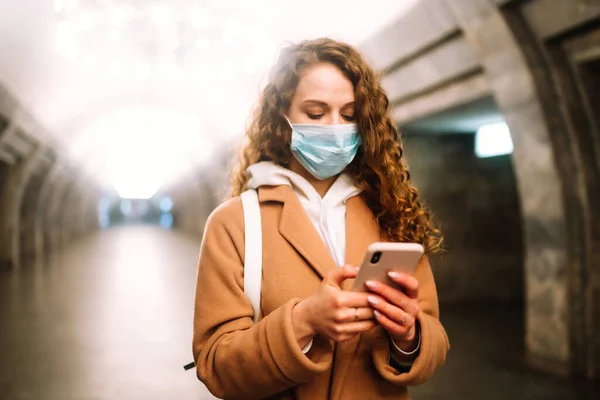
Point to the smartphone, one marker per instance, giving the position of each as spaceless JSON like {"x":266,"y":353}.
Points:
{"x":382,"y":258}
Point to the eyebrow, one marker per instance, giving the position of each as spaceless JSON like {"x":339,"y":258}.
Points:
{"x":322,"y":103}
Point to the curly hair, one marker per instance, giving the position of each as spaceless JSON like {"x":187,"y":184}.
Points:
{"x":378,"y":169}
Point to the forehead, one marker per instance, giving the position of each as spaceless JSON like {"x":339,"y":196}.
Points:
{"x":324,"y":82}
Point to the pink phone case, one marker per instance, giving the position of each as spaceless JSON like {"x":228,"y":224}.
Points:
{"x":382,"y":258}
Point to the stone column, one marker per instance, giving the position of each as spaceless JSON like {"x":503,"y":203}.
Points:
{"x":10,"y":212}
{"x":547,"y":336}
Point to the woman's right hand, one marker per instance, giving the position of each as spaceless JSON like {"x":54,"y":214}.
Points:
{"x":332,"y":312}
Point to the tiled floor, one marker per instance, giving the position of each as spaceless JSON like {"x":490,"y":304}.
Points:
{"x":111,"y":319}
{"x":486,"y":360}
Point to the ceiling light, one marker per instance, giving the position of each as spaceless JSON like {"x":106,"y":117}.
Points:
{"x":121,"y":14}
{"x":90,"y":59}
{"x":114,"y":70}
{"x":198,"y":16}
{"x":65,"y":43}
{"x":140,"y":148}
{"x":85,"y":21}
{"x":202,"y":42}
{"x":58,"y":5}
{"x":161,"y":13}
{"x":250,"y":66}
{"x":144,"y":72}
{"x":493,"y":140}
{"x":114,"y":34}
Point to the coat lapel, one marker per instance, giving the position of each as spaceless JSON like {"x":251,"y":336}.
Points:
{"x":362,"y":229}
{"x":298,"y":230}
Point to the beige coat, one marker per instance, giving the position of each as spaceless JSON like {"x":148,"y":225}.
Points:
{"x":238,"y":359}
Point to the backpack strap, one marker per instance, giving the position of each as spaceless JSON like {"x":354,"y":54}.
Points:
{"x":253,"y":249}
{"x":252,"y":253}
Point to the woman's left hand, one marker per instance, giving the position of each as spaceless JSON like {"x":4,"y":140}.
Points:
{"x":396,"y":310}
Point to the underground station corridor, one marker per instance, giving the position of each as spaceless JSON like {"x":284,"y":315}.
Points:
{"x":120,"y":122}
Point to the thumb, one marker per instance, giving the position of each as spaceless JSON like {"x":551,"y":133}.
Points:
{"x":337,"y":276}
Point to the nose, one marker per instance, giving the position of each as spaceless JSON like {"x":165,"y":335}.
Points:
{"x":336,"y":119}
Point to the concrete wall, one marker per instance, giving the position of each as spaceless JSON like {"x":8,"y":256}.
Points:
{"x":33,"y":222}
{"x":197,"y":194}
{"x":475,"y":201}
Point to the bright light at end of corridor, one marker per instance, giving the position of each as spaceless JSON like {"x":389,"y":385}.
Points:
{"x":135,"y":175}
{"x":138,"y":150}
{"x":493,"y":140}
{"x":143,"y":187}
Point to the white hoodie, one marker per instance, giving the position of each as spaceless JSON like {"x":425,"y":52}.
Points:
{"x":328,"y":214}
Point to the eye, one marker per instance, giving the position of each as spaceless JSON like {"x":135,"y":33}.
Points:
{"x":315,"y":116}
{"x":349,"y":118}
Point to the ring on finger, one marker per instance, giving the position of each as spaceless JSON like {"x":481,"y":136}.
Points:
{"x":356,"y":317}
{"x":403,"y":320}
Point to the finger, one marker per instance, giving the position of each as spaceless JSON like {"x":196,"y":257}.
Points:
{"x":344,"y":338}
{"x":351,"y":300}
{"x":354,"y":314}
{"x":350,"y":328}
{"x":394,"y":296}
{"x":394,"y":329}
{"x":337,"y":276}
{"x":392,"y":312}
{"x":409,"y":283}
{"x":364,"y":314}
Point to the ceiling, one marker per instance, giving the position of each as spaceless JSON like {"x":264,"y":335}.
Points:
{"x":465,"y":118}
{"x":158,"y":84}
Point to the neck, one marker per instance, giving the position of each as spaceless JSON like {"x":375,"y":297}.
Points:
{"x":321,"y":186}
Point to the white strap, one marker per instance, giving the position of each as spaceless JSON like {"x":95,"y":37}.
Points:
{"x":253,"y":249}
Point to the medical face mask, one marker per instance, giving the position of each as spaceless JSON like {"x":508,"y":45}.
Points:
{"x":324,"y":150}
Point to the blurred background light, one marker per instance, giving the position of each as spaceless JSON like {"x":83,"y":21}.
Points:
{"x":206,"y":59}
{"x":126,"y":207}
{"x":493,"y":140}
{"x":138,"y":149}
{"x":166,"y":221}
{"x":166,"y":204}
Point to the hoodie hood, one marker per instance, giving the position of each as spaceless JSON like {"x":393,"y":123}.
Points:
{"x":328,"y":214}
{"x":267,"y":173}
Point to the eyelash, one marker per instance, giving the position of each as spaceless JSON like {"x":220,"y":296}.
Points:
{"x":348,"y":118}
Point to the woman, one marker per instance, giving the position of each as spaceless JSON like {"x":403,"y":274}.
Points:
{"x":325,"y":157}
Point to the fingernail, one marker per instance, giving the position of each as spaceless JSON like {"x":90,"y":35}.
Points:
{"x":377,"y":314}
{"x":372,"y":300}
{"x":371,"y":284}
{"x":357,"y":269}
{"x":393,"y":275}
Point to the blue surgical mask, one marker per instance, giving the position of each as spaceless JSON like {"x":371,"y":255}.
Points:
{"x":324,"y":150}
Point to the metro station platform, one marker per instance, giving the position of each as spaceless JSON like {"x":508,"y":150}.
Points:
{"x":111,"y":318}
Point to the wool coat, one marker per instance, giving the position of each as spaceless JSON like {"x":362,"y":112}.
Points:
{"x":238,"y":359}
